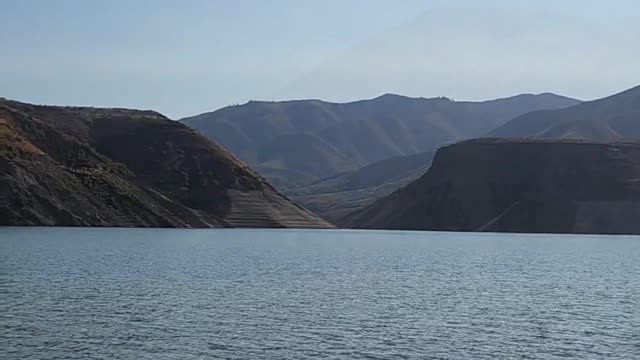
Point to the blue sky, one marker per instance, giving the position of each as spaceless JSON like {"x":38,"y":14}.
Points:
{"x":186,"y":57}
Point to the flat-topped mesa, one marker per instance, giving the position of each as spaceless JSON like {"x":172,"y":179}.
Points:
{"x":82,"y":166}
{"x":518,"y":186}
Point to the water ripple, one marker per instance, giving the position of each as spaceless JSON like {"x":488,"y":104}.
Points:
{"x":245,"y":294}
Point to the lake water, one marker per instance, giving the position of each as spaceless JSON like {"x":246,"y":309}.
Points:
{"x":286,"y":294}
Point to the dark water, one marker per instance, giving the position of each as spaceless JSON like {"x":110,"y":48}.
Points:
{"x":236,"y":294}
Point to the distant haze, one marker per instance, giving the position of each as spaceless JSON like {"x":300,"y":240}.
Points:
{"x":186,"y":57}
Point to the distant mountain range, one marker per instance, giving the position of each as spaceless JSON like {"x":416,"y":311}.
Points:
{"x":77,"y":166}
{"x":316,"y":151}
{"x":616,"y":117}
{"x":296,"y":143}
{"x":566,"y":170}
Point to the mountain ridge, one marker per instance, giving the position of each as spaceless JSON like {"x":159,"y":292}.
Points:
{"x":362,"y":132}
{"x":575,"y":121}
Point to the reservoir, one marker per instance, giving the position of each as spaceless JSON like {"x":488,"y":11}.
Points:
{"x":77,"y":293}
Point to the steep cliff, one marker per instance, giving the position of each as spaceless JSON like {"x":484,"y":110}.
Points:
{"x":518,"y":186}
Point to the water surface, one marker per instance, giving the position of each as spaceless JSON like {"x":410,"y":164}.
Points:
{"x":276,"y":294}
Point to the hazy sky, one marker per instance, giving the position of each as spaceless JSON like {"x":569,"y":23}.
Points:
{"x":186,"y":57}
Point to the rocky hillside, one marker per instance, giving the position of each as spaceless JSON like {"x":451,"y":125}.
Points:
{"x":296,"y":143}
{"x":117,"y":167}
{"x":518,"y":186}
